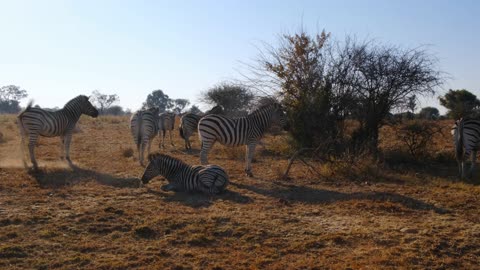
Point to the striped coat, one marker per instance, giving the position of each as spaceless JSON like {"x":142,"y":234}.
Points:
{"x":189,"y":124}
{"x":239,"y":131}
{"x":166,"y":123}
{"x":466,"y":135}
{"x":210,"y":179}
{"x":34,"y":122}
{"x":144,"y":128}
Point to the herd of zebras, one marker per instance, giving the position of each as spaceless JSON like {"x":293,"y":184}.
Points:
{"x":212,"y":127}
{"x":146,"y":124}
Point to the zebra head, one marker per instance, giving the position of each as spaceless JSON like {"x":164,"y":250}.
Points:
{"x":279,"y":117}
{"x":87,"y":107}
{"x":151,"y":170}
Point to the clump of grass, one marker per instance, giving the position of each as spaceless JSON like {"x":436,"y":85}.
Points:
{"x":12,"y":252}
{"x":145,"y":232}
{"x":127,"y":152}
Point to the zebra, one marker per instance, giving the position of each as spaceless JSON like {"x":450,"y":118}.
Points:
{"x":209,"y":179}
{"x":144,"y":128}
{"x":239,"y":131}
{"x":466,"y":136}
{"x":34,"y":122}
{"x":166,"y":123}
{"x":189,"y":123}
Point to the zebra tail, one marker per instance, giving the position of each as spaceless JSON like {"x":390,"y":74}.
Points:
{"x":460,"y":143}
{"x":139,"y":129}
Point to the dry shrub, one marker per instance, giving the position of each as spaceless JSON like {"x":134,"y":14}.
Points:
{"x":417,"y":136}
{"x":2,"y":138}
{"x":127,"y":152}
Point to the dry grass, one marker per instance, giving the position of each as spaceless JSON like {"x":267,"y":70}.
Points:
{"x":96,"y":216}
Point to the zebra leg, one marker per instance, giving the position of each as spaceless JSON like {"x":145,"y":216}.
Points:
{"x":171,"y":141}
{"x":206,"y":147}
{"x":248,"y":159}
{"x":62,"y":147}
{"x":68,"y":140}
{"x":164,"y":132}
{"x":31,"y":149}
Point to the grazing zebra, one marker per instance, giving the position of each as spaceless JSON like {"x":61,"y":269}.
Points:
{"x":239,"y":131}
{"x":34,"y":122}
{"x":466,"y":135}
{"x":209,"y":179}
{"x":166,"y":123}
{"x":189,"y":123}
{"x":144,"y":128}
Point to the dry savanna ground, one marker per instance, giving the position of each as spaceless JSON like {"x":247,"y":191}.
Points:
{"x":94,"y":215}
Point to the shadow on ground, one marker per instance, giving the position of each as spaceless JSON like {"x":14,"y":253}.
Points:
{"x":52,"y":178}
{"x":199,"y":200}
{"x":302,"y":194}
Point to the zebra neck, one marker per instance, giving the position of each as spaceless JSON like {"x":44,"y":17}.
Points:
{"x":72,"y":109}
{"x":260,"y":119}
{"x":170,"y":170}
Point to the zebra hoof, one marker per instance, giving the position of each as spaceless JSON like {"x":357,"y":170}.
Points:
{"x":249,"y":173}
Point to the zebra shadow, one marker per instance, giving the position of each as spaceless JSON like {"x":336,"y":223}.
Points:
{"x":199,"y":200}
{"x":56,"y":178}
{"x":291,"y":193}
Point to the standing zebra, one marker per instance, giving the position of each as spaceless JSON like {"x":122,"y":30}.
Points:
{"x":189,"y":123}
{"x":239,"y":131}
{"x":166,"y":123}
{"x":466,"y":135}
{"x":144,"y":128}
{"x":209,"y":179}
{"x":34,"y":122}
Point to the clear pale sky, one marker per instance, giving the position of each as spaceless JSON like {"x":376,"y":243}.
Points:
{"x":59,"y":49}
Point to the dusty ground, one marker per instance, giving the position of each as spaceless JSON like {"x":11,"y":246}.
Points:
{"x":95,"y":215}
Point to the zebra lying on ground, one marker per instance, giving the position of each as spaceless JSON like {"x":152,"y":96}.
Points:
{"x":239,"y":131}
{"x":144,"y":128}
{"x":209,"y":179}
{"x":189,"y":123}
{"x":34,"y":122}
{"x":466,"y":135}
{"x":166,"y":123}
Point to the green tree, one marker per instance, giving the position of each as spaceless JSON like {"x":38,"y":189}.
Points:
{"x":429,"y":113}
{"x":158,"y":99}
{"x":233,"y":98}
{"x":179,"y":105}
{"x":460,"y":103}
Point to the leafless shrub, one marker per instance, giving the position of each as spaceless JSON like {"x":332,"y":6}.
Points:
{"x":417,"y":136}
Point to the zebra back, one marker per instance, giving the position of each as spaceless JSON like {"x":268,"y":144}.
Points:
{"x":144,"y":124}
{"x":166,"y":121}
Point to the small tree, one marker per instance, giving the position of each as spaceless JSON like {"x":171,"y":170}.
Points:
{"x":383,"y":77}
{"x":179,"y":105}
{"x":429,"y":113}
{"x":10,"y":97}
{"x":158,"y":99}
{"x":460,"y":103}
{"x":233,"y":98}
{"x":104,"y":101}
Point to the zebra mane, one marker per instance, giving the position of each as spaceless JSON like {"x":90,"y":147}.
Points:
{"x":156,"y":156}
{"x":79,"y":97}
